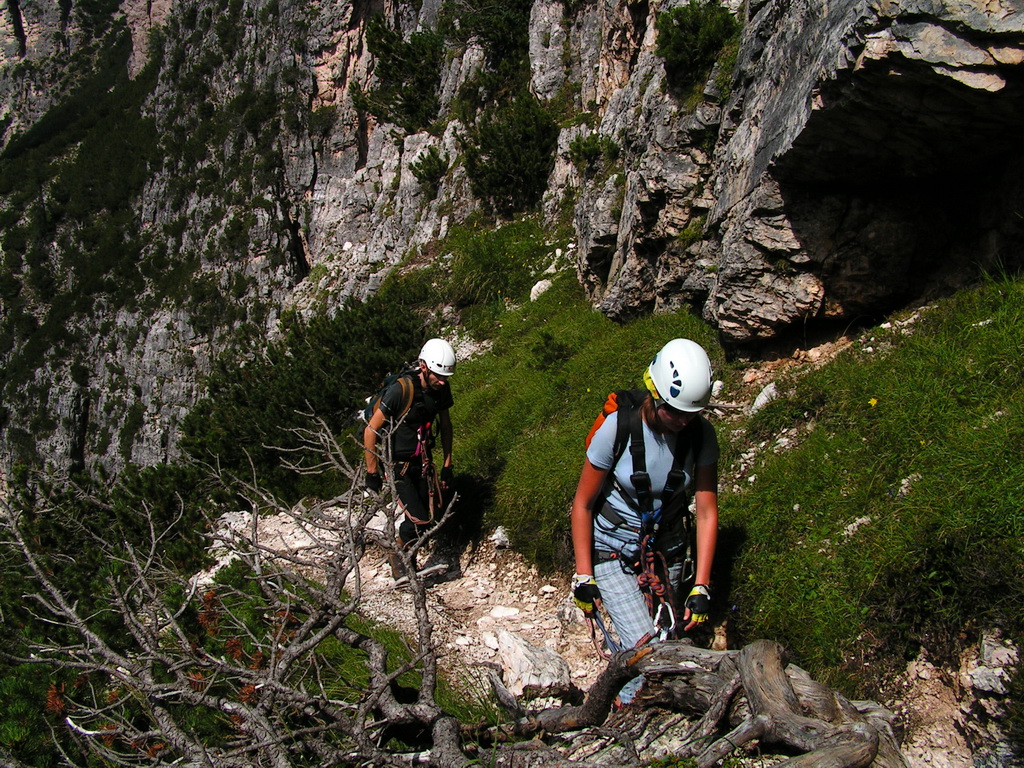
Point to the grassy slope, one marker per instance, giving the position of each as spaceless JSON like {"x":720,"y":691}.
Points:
{"x":916,"y":431}
{"x":523,"y":410}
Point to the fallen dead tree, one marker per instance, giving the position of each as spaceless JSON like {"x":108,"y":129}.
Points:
{"x":734,"y":699}
{"x":254,"y":667}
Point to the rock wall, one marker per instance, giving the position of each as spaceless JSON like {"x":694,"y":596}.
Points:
{"x":867,"y":161}
{"x":29,"y":33}
{"x":864,"y":154}
{"x":864,"y":158}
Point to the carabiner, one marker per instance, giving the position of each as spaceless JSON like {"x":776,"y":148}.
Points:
{"x":664,"y":633}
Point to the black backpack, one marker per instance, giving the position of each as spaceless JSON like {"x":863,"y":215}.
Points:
{"x":405,"y":378}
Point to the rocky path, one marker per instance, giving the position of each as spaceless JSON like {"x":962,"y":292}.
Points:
{"x":491,"y":600}
{"x":491,"y":592}
{"x":494,"y":592}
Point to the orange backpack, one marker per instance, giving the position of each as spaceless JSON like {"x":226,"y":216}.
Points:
{"x":624,"y":399}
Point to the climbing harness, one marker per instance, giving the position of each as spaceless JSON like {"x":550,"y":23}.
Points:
{"x":656,"y":587}
{"x":428,"y":471}
{"x":424,"y":444}
{"x":651,"y":569}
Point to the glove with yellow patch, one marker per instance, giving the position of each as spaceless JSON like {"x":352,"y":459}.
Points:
{"x":585,"y":592}
{"x":698,"y":603}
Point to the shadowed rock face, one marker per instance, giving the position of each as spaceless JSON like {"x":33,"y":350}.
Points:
{"x":905,"y":181}
{"x":879,"y":165}
{"x":867,"y":156}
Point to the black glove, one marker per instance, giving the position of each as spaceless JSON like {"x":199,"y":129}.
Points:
{"x":447,"y":477}
{"x":699,"y":603}
{"x":374,"y":481}
{"x":585,"y":592}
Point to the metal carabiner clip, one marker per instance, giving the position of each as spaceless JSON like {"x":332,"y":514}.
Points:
{"x":665,"y":633}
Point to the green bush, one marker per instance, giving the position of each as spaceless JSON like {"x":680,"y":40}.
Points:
{"x":510,"y":153}
{"x":690,"y":39}
{"x":408,"y":73}
{"x":489,"y":266}
{"x":501,"y":28}
{"x":62,"y":524}
{"x":588,"y":152}
{"x":325,"y":366}
{"x":429,"y":170}
{"x":322,"y":120}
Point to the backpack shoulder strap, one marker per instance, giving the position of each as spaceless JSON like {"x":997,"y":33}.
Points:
{"x":628,"y":422}
{"x":688,"y":443}
{"x":629,"y":430}
{"x":408,"y":392}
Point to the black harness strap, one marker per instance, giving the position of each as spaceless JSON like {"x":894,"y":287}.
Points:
{"x":629,"y":429}
{"x":639,"y":478}
{"x":650,"y":564}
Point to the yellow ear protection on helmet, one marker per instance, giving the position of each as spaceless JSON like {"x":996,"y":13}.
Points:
{"x":649,"y":383}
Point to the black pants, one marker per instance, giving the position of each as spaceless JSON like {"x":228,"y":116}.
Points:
{"x":414,"y":495}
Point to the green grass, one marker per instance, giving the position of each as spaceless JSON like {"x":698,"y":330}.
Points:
{"x":920,"y":439}
{"x":894,"y":522}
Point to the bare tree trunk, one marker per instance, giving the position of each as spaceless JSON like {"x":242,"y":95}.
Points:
{"x":830,"y":730}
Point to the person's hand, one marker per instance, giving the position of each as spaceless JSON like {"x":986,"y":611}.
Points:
{"x":374,"y":481}
{"x":447,"y":477}
{"x":585,"y":592}
{"x":698,"y":605}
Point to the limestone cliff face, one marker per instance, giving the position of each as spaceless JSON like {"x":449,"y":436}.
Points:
{"x":868,"y":158}
{"x":865,"y":157}
{"x":32,"y":39}
{"x":864,"y":154}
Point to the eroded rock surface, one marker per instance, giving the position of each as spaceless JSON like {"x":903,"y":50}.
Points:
{"x":862,"y":156}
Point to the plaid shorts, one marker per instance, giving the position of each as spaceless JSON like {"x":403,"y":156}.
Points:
{"x":624,"y":602}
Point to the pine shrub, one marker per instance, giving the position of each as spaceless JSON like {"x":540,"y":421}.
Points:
{"x":690,"y":39}
{"x":510,"y":154}
{"x":408,"y":73}
{"x":430,"y":170}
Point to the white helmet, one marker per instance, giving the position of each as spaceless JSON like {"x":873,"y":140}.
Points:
{"x":439,"y":357}
{"x":680,"y":374}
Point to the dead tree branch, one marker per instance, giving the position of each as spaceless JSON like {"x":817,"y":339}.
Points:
{"x":270,"y":661}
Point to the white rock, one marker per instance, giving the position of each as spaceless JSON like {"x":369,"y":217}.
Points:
{"x":539,"y":289}
{"x":769,"y":393}
{"x":500,"y":538}
{"x":528,"y":665}
{"x":503,"y":612}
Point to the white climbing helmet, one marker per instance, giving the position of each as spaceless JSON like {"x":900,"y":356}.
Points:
{"x":680,"y":374}
{"x":439,"y":357}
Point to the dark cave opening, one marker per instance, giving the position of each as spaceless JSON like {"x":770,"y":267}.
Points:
{"x":906,"y":187}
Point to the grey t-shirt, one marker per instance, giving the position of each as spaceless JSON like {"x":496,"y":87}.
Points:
{"x":659,"y":457}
